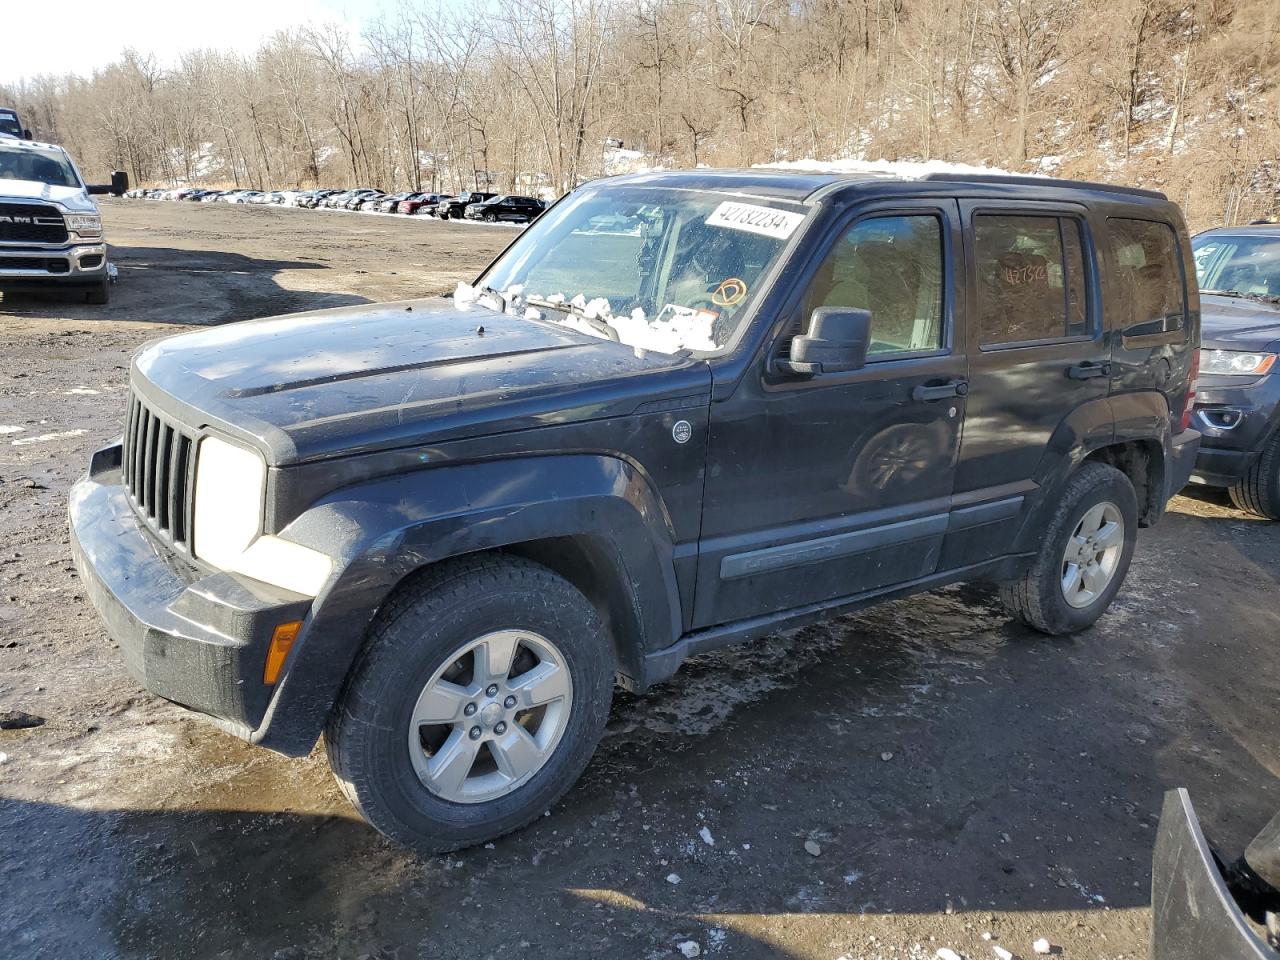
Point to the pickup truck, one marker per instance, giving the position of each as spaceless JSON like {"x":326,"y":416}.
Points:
{"x":11,"y":126}
{"x":681,"y":410}
{"x":50,"y":228}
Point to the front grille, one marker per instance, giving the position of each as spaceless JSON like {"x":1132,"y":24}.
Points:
{"x":31,"y":223}
{"x":159,"y":471}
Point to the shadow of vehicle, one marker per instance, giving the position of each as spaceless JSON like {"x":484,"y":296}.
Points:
{"x":181,"y":286}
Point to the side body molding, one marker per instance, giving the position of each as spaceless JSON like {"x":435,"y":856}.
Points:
{"x":381,"y":531}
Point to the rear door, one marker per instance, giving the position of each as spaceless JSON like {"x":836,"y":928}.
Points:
{"x":1037,"y":352}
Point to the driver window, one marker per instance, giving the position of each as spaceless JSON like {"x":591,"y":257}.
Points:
{"x":892,"y":267}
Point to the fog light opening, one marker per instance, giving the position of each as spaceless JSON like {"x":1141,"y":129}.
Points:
{"x":281,"y":643}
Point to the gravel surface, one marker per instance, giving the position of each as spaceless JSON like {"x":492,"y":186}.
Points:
{"x":885,"y":785}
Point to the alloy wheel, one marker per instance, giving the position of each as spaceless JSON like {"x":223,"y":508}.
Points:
{"x":490,"y":717}
{"x":1093,"y":554}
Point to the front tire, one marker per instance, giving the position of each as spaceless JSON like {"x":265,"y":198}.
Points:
{"x":477,"y":701}
{"x":1258,"y":491}
{"x":1084,"y":554}
{"x":100,"y":292}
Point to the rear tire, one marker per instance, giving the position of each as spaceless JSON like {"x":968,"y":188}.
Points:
{"x":388,"y":740}
{"x":1051,"y":595}
{"x":1258,"y":491}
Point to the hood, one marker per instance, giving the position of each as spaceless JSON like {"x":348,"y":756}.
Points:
{"x":71,"y":199}
{"x":1232,"y":323}
{"x":357,"y":379}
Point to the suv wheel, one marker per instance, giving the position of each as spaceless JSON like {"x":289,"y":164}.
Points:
{"x":1083,"y":557}
{"x":1258,"y":491}
{"x":475,"y":704}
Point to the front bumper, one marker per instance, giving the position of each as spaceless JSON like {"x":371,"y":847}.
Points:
{"x":197,"y":638}
{"x":83,"y":263}
{"x":1193,"y":915}
{"x":1237,"y":420}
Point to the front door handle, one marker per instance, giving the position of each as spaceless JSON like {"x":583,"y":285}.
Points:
{"x":1089,"y":370}
{"x":956,"y":388}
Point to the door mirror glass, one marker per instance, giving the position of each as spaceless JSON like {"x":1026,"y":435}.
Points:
{"x":836,"y":342}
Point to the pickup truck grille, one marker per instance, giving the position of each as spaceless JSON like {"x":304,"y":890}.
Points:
{"x":159,"y":468}
{"x":31,"y":223}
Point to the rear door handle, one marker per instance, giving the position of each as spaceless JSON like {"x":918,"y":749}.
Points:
{"x":956,"y":388}
{"x":1089,"y":370}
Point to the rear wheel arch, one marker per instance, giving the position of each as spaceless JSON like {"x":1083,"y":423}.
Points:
{"x":1143,"y":462}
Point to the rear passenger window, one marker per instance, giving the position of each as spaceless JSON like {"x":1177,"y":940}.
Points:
{"x":892,"y":267}
{"x":1152,"y":296}
{"x":1031,"y":280}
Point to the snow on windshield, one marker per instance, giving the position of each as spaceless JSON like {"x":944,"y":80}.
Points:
{"x":675,"y":328}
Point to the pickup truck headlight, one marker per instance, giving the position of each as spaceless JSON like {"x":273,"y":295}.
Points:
{"x":85,"y":224}
{"x":1237,"y":363}
{"x":227,"y":523}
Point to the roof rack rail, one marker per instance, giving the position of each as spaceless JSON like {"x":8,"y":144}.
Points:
{"x":1033,"y":181}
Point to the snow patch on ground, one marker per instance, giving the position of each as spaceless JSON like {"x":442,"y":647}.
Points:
{"x":48,"y":437}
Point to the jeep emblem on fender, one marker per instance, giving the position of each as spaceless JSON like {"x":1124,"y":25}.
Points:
{"x":682,"y":431}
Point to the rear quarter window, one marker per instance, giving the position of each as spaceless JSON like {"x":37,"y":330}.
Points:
{"x":1152,"y":296}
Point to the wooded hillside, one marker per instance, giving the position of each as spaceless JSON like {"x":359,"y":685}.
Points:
{"x":1183,"y":95}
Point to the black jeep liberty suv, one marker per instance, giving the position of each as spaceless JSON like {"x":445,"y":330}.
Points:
{"x":681,"y":410}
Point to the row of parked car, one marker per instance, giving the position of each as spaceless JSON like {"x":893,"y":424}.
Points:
{"x":471,"y":205}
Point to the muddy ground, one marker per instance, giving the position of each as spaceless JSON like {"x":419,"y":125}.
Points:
{"x":1020,"y":797}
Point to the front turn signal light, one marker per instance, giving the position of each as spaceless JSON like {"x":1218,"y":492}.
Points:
{"x":281,"y":643}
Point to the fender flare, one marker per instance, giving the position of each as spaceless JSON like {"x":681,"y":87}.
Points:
{"x":380,"y":532}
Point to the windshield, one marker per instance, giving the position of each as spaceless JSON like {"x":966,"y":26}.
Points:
{"x":659,"y":269}
{"x":9,"y":124}
{"x":1241,"y":265}
{"x":42,"y":166}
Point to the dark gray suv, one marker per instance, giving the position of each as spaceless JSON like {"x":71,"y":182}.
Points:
{"x":1238,"y":400}
{"x":681,"y":410}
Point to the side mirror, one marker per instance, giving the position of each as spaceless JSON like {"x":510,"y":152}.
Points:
{"x":836,"y":342}
{"x":26,"y":134}
{"x":118,"y":185}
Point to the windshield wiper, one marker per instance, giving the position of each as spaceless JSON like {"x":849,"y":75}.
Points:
{"x":563,"y":306}
{"x":1258,"y":297}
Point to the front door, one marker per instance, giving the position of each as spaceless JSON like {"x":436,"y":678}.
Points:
{"x":1036,"y":354}
{"x":838,"y":484}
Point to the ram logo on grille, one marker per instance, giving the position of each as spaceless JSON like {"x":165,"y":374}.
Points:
{"x":31,"y":223}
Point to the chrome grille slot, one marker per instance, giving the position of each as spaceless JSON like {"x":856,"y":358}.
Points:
{"x":158,"y":466}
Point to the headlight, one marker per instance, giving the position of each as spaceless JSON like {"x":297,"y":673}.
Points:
{"x":230,"y":484}
{"x":227,"y":522}
{"x":84,"y":224}
{"x":1236,"y":363}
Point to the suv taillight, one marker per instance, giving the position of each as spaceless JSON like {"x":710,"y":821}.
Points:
{"x":1192,"y":376}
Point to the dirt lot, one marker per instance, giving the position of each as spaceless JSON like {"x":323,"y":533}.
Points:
{"x":1019,"y":797}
